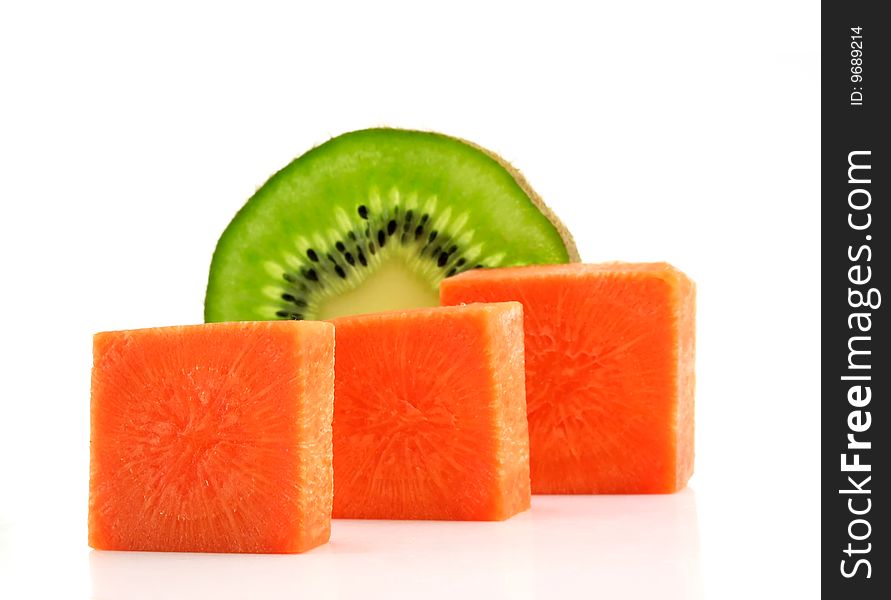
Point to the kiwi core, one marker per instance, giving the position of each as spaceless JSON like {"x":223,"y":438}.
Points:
{"x":394,"y":285}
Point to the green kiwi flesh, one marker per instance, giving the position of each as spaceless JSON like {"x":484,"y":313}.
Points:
{"x":373,"y":220}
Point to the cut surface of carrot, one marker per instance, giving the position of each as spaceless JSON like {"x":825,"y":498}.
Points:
{"x":212,"y":438}
{"x":609,"y":371}
{"x":430,"y":414}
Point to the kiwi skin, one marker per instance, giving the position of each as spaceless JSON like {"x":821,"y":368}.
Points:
{"x":537,"y":200}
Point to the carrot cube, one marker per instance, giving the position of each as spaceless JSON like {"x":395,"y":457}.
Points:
{"x":212,"y":438}
{"x":609,"y":372}
{"x":430,"y":414}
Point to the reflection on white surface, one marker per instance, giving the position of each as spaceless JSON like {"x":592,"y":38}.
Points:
{"x":566,"y":546}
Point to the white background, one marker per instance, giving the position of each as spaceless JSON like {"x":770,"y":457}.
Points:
{"x":678,"y":131}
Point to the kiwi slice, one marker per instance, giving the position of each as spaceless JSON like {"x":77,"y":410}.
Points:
{"x":373,"y":220}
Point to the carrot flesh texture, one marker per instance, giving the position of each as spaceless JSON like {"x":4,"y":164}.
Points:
{"x":212,"y":438}
{"x":430,"y":415}
{"x":609,"y":372}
